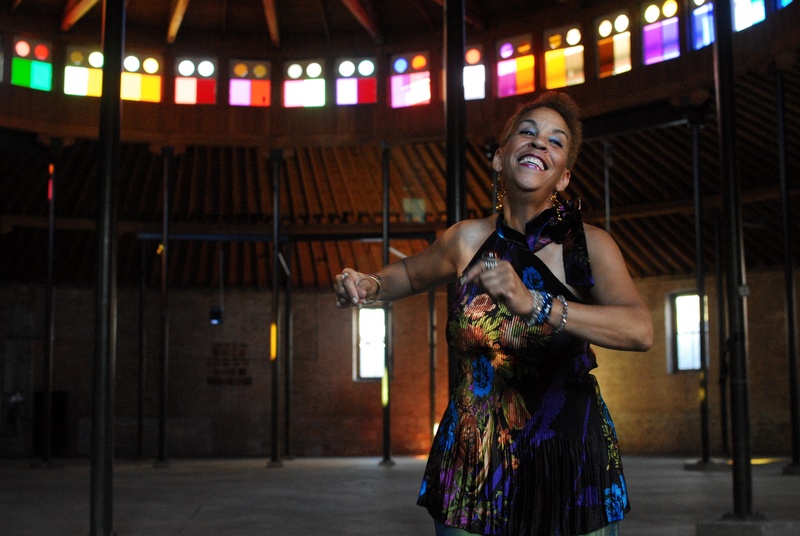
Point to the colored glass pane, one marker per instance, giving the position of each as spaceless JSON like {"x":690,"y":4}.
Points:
{"x":747,"y":13}
{"x":703,"y":33}
{"x":304,"y":93}
{"x":474,"y":82}
{"x":661,"y":41}
{"x":411,"y":89}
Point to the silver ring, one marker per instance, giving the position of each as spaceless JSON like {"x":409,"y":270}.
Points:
{"x":489,"y":259}
{"x":344,"y":275}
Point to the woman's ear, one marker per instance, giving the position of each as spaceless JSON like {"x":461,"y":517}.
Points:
{"x":496,"y":165}
{"x":563,"y":182}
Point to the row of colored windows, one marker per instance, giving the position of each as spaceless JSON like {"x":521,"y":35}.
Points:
{"x":304,"y":84}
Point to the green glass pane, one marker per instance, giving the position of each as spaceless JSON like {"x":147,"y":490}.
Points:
{"x":21,"y":72}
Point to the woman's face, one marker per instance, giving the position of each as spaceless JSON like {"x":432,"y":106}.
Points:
{"x":535,"y":156}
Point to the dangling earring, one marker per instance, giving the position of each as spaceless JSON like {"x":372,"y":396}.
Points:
{"x":556,"y":204}
{"x":500,"y":192}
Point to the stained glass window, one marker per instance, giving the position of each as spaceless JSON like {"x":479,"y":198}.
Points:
{"x":304,"y":85}
{"x":196,"y":81}
{"x":32,"y":64}
{"x":563,"y":57}
{"x":83,"y":71}
{"x":613,"y":45}
{"x":142,"y":78}
{"x":356,"y":82}
{"x":660,"y":32}
{"x":249,"y":83}
{"x":474,"y":74}
{"x":515,"y":66}
{"x":410,"y":82}
{"x":703,"y":33}
{"x":747,"y":13}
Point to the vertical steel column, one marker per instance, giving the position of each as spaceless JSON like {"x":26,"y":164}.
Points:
{"x":695,"y":124}
{"x":163,"y":388}
{"x":49,"y":306}
{"x":455,"y":120}
{"x":142,"y":385}
{"x":288,"y":348}
{"x":737,"y":290}
{"x":102,"y":491}
{"x":432,"y":357}
{"x":791,"y":335}
{"x":722,"y":338}
{"x":388,"y":368}
{"x":276,"y":159}
{"x":607,"y":163}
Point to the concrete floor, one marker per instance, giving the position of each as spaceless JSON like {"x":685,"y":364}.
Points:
{"x":341,"y":496}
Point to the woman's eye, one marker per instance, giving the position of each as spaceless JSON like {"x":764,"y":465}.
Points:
{"x":556,"y":142}
{"x":528,"y":132}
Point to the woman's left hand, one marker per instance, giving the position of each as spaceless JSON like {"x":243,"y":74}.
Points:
{"x":502,"y":283}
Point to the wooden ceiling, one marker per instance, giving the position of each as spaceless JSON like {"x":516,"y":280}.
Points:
{"x":634,"y":176}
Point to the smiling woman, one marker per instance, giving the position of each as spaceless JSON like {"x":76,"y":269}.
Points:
{"x":526,"y":445}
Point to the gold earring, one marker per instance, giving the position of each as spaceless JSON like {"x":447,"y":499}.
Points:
{"x":556,"y":204}
{"x":501,"y":193}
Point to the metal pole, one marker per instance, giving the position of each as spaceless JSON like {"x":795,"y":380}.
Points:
{"x":455,"y":119}
{"x":142,"y":349}
{"x":276,"y":158}
{"x":166,"y":157}
{"x":386,"y":381}
{"x":49,"y":326}
{"x":607,"y":163}
{"x":702,"y":332}
{"x":102,"y":491}
{"x":791,"y":340}
{"x":432,"y":356}
{"x":722,"y":338}
{"x":288,"y":349}
{"x":737,"y":289}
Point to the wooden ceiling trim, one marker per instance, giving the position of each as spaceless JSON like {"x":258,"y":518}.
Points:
{"x":237,"y":175}
{"x":271,"y":15}
{"x":74,"y":11}
{"x":310,"y":189}
{"x":364,"y":13}
{"x":349,"y":180}
{"x":428,"y":183}
{"x":176,"y":14}
{"x":324,"y":178}
{"x":435,"y":184}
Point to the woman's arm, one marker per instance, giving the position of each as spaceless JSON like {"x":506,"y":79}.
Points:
{"x":438,"y":264}
{"x":619,"y":320}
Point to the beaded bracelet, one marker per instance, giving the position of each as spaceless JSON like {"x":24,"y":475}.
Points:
{"x":564,"y":313}
{"x":542,"y":305}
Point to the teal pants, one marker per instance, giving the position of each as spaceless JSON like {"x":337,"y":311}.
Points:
{"x":441,"y":530}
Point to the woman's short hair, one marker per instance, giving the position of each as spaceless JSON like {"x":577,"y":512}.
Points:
{"x":563,"y":105}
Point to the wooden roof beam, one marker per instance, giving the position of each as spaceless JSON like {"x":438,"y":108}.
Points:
{"x":177,"y":11}
{"x":472,"y":20}
{"x":74,"y":11}
{"x":363,"y":11}
{"x":272,"y":22}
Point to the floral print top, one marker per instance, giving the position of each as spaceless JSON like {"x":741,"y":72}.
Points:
{"x":526,"y":445}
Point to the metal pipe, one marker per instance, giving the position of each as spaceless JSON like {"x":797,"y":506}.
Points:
{"x":702,"y":332}
{"x":276,"y":158}
{"x":737,"y":289}
{"x":49,"y":321}
{"x":102,"y":491}
{"x":142,"y":385}
{"x":791,"y":333}
{"x":163,"y":388}
{"x":386,"y":381}
{"x":289,"y":350}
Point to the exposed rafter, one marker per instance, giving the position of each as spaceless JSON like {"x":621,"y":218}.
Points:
{"x":469,"y":18}
{"x":176,"y":14}
{"x":272,"y":22}
{"x":74,"y":11}
{"x":363,"y":11}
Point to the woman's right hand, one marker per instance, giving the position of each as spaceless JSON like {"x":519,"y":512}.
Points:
{"x":353,"y":288}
